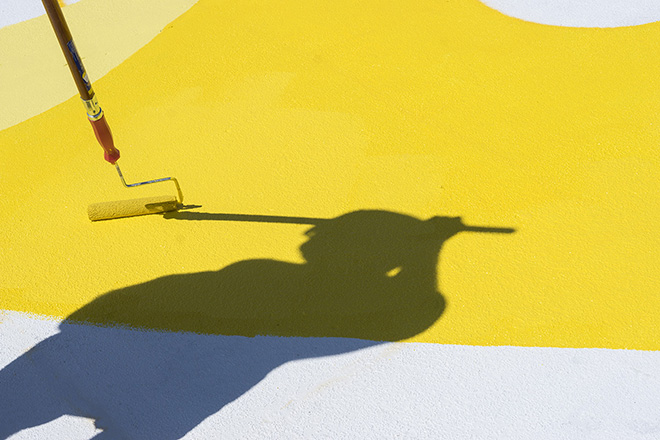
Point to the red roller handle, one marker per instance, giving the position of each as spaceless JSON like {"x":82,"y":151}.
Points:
{"x":104,"y":136}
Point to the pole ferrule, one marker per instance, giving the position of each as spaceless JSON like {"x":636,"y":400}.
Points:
{"x":93,"y":109}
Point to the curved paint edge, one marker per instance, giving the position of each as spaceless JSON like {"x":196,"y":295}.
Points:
{"x":33,"y":72}
{"x":585,"y":13}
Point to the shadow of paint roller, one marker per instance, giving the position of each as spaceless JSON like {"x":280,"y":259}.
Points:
{"x":135,"y":207}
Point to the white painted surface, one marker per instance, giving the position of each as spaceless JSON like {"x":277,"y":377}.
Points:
{"x":581,"y":13}
{"x":15,"y":11}
{"x":147,"y":384}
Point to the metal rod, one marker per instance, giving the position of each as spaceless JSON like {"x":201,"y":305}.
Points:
{"x":131,"y":185}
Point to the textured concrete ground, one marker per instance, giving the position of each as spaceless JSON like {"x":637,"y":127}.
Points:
{"x":320,"y":284}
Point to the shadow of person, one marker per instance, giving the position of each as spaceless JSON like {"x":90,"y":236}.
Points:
{"x":368,"y":277}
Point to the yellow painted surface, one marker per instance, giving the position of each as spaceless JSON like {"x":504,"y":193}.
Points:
{"x":316,"y":109}
{"x":33,"y":73}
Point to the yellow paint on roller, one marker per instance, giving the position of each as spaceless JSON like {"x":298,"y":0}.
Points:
{"x":130,"y":208}
{"x":314,"y":109}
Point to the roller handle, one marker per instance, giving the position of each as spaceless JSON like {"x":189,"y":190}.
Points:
{"x":94,"y":111}
{"x":104,"y":136}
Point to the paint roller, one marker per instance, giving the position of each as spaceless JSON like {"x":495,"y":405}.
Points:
{"x":107,"y":210}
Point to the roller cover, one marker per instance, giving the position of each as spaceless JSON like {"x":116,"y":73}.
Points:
{"x":128,"y":208}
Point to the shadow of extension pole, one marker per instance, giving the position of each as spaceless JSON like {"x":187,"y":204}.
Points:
{"x":205,"y":216}
{"x":198,"y":216}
